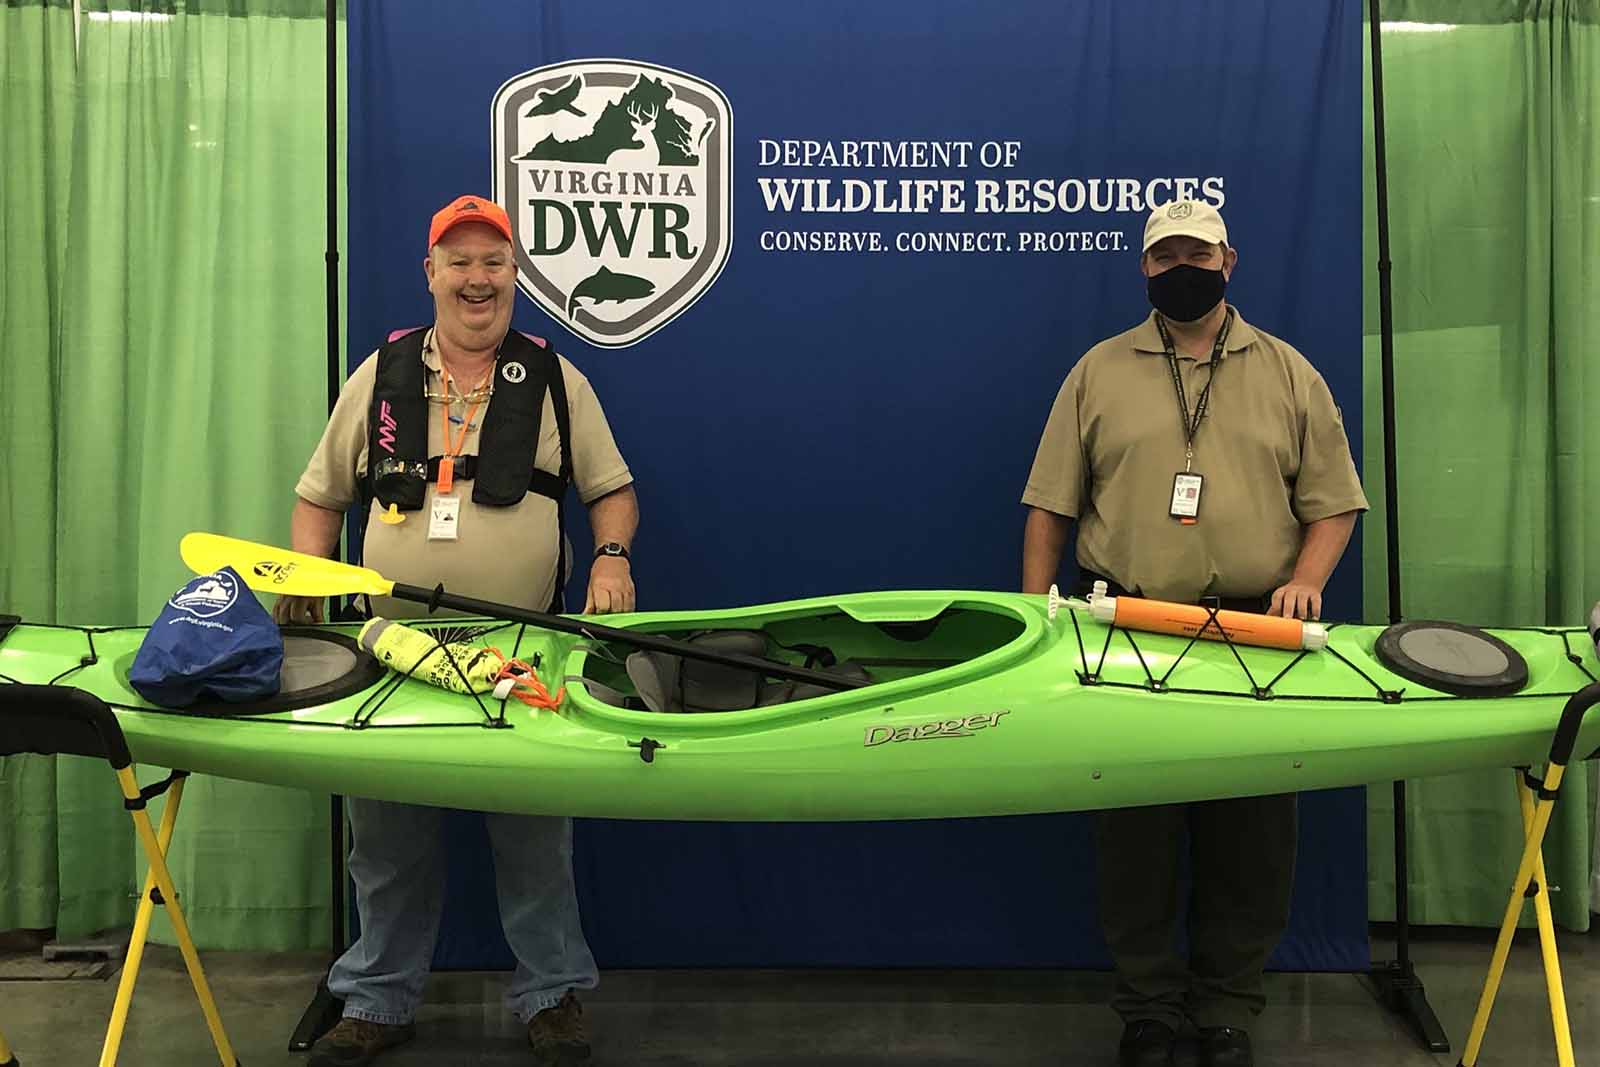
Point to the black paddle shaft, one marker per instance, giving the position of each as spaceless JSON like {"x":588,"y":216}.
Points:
{"x":438,"y":598}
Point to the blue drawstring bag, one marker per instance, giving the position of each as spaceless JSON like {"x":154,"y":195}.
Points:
{"x":212,"y":641}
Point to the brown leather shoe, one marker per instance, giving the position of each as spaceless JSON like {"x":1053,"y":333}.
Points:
{"x":557,"y":1034}
{"x":355,"y":1043}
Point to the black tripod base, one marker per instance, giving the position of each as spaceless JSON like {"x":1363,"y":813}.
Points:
{"x":1400,"y":990}
{"x":321,"y":1015}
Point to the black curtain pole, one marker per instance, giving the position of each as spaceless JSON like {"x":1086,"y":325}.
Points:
{"x":331,"y":256}
{"x":1391,"y":503}
{"x":335,"y":377}
{"x":1396,"y":980}
{"x":324,"y":1009}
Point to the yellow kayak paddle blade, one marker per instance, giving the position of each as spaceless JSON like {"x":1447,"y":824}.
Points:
{"x":270,"y":569}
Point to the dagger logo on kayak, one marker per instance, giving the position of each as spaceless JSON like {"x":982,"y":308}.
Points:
{"x":617,"y":177}
{"x":882,"y":735}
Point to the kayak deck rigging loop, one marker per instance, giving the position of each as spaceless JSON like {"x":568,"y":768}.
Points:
{"x":1574,"y":658}
{"x":88,"y":660}
{"x":1093,"y":674}
{"x":368,"y":711}
{"x":1162,"y":685}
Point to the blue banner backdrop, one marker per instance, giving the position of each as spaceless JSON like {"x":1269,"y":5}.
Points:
{"x":850,"y":253}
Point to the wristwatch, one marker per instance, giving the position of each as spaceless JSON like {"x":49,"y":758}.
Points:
{"x":611,"y":548}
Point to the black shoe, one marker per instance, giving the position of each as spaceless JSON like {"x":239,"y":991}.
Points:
{"x":1224,"y":1046}
{"x":1146,"y":1043}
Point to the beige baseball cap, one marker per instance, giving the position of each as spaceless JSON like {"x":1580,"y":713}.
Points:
{"x":1184,"y":218}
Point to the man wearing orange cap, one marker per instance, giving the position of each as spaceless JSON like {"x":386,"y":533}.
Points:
{"x":460,"y":442}
{"x":1200,"y":457}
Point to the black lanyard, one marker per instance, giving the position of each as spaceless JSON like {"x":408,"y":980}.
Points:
{"x":1191,"y":426}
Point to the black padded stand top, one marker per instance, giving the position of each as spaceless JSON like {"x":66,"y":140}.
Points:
{"x":1461,"y":660}
{"x":51,"y":719}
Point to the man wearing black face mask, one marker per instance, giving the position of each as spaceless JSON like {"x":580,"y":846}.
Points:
{"x":1200,"y":457}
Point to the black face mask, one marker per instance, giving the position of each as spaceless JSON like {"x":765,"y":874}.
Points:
{"x":1185,"y":293}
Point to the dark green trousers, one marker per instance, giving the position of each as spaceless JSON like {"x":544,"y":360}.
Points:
{"x":1241,"y":858}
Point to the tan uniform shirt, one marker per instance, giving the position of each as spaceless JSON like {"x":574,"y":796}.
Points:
{"x":1272,"y":450}
{"x":507,"y":554}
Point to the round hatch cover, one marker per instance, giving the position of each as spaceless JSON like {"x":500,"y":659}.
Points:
{"x":1452,"y":658}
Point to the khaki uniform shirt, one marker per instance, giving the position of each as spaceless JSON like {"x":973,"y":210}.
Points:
{"x":507,"y":554}
{"x":1272,"y":450}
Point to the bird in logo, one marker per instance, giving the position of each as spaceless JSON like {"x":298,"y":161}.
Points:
{"x":549,"y":101}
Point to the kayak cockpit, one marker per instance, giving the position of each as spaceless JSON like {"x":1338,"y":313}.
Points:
{"x":864,"y":647}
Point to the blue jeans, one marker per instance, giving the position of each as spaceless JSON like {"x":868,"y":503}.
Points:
{"x":396,"y":861}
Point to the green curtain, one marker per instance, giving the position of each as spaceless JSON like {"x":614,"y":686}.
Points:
{"x":165,"y":371}
{"x":1494,"y":210}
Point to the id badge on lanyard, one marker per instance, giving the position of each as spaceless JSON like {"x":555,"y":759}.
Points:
{"x":444,"y":514}
{"x":1186,"y":487}
{"x":1187,"y":484}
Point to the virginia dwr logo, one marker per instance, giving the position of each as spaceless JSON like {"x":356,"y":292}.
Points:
{"x":617,"y":177}
{"x":207,"y":595}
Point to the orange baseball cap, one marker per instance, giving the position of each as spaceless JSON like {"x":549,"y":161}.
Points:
{"x":469,"y":209}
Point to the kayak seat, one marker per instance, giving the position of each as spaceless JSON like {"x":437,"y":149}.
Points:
{"x":671,"y":683}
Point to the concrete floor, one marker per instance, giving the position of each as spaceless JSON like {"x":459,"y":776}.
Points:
{"x":789,"y":1018}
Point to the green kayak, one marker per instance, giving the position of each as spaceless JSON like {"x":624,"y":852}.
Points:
{"x":975,"y":704}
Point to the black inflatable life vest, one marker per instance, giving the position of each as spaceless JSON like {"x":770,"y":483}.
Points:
{"x":398,"y":464}
{"x":503,"y":472}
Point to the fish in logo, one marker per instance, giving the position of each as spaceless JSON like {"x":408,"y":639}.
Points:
{"x":603,"y":285}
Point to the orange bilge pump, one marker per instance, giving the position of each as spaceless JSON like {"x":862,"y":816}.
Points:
{"x":1191,"y":620}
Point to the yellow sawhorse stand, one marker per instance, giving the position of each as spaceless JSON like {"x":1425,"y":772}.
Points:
{"x":1531,"y":882}
{"x":52,"y":720}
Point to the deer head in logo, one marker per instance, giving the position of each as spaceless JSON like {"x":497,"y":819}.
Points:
{"x":646,"y":157}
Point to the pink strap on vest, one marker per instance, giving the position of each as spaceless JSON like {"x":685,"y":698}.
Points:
{"x":395,"y":335}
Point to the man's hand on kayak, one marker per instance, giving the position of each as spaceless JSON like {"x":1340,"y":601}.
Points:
{"x":1325,"y":541}
{"x":610,"y":586}
{"x":1297,"y":600}
{"x":297,"y":610}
